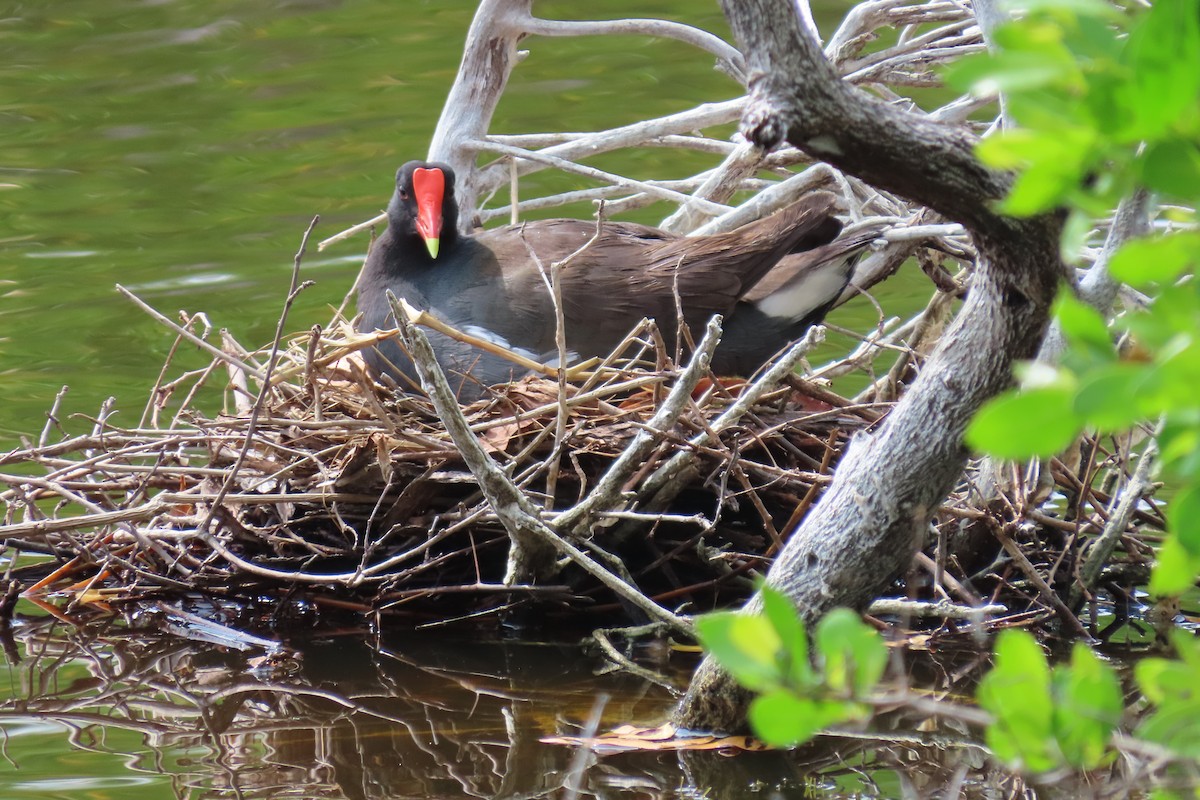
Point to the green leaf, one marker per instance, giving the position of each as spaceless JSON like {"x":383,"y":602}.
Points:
{"x":1053,"y":162}
{"x":1165,"y":681}
{"x":853,"y":653}
{"x":1015,"y":71}
{"x":963,"y":74}
{"x":1187,"y":647}
{"x":1162,"y":54}
{"x":1021,"y":147}
{"x":1158,"y":260}
{"x":1172,"y":167}
{"x":1067,"y":9}
{"x":1180,"y":445}
{"x":1170,"y":323}
{"x":1172,"y":385}
{"x":1160,"y":793}
{"x":1090,"y":704}
{"x":746,"y":645}
{"x":1041,"y":187}
{"x":1109,"y":397}
{"x":1022,"y":424}
{"x":1082,"y":325}
{"x":790,"y":628}
{"x":1017,"y":694}
{"x":1174,"y":571}
{"x":1076,"y":232}
{"x":781,"y":718}
{"x":1106,"y":104}
{"x":1176,"y":727}
{"x":1183,"y":519}
{"x":1094,"y":38}
{"x":1046,"y":109}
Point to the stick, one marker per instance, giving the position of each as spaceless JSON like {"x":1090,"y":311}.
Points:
{"x":516,"y":512}
{"x":293,"y":290}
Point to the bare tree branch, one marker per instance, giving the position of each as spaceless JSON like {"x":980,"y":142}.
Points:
{"x":875,"y":514}
{"x":729,"y":57}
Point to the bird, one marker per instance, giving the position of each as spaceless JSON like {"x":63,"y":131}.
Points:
{"x":771,"y":279}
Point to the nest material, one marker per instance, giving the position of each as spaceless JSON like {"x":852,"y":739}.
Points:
{"x":326,"y":485}
{"x":319,"y":485}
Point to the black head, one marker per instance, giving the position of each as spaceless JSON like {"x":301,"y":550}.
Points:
{"x":423,"y":207}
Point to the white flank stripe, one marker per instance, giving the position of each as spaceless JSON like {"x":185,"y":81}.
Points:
{"x":797,"y":299}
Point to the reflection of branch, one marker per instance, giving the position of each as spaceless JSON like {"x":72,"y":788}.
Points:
{"x":103,"y":720}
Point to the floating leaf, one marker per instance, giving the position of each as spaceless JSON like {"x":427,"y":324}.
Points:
{"x":625,"y":738}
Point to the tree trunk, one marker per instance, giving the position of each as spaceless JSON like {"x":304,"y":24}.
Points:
{"x":875,"y":514}
{"x":488,"y":58}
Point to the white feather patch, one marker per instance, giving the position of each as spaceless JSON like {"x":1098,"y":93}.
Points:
{"x":798,"y":298}
{"x":552,"y":361}
{"x":497,"y":339}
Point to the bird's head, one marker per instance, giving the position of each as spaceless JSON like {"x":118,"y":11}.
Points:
{"x":424,"y":204}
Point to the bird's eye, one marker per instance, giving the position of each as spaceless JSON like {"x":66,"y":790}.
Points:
{"x":403,"y":194}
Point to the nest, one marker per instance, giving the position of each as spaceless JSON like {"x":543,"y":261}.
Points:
{"x":317,"y":484}
{"x":630,"y":490}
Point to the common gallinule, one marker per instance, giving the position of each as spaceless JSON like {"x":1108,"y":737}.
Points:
{"x":489,"y":285}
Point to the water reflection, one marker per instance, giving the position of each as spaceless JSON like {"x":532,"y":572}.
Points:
{"x":425,"y":717}
{"x":347,"y":715}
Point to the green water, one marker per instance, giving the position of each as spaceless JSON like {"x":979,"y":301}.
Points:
{"x":180,"y":149}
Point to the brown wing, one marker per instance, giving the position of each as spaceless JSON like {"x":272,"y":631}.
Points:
{"x":628,"y":271}
{"x":630,"y":278}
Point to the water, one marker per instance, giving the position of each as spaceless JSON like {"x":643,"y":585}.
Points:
{"x":180,"y":149}
{"x":108,"y":707}
{"x":155,"y":715}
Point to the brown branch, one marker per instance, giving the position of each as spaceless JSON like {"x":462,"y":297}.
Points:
{"x":293,"y":290}
{"x":533,"y":542}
